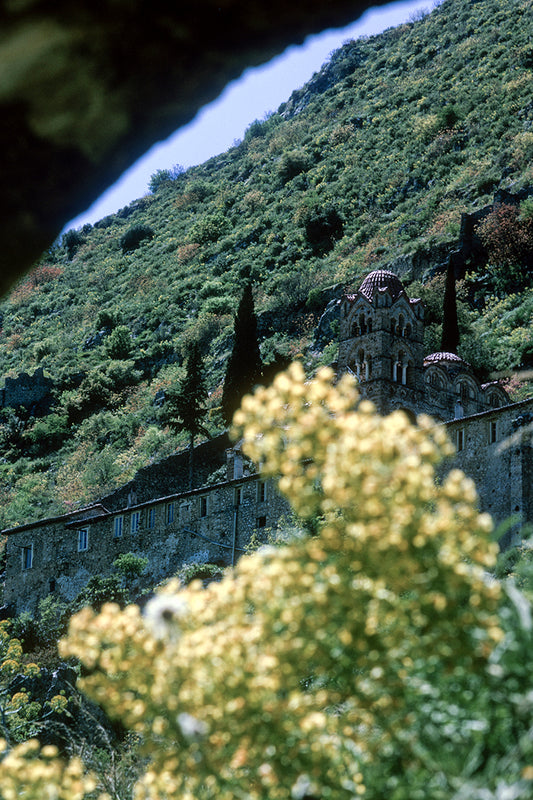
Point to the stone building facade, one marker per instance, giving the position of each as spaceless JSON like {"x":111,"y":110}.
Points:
{"x":381,"y":342}
{"x":212,"y":524}
{"x":495,"y":449}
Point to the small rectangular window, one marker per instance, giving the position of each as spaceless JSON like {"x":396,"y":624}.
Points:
{"x":261,"y":522}
{"x":261,"y":492}
{"x":83,"y":539}
{"x":203,"y":506}
{"x":27,"y":557}
{"x":460,"y":439}
{"x":493,"y":431}
{"x":170,"y":513}
{"x":151,"y":518}
{"x":135,"y":521}
{"x":118,"y":527}
{"x":237,"y":500}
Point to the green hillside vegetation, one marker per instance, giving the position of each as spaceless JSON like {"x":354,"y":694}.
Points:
{"x":372,"y":163}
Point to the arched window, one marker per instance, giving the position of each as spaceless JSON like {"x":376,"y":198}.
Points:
{"x":402,"y":369}
{"x":359,"y":368}
{"x":362,"y":323}
{"x":363,"y":366}
{"x":399,"y":368}
{"x":401,"y":326}
{"x":465,"y":391}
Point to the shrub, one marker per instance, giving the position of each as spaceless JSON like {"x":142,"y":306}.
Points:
{"x":323,"y":225}
{"x":99,"y":591}
{"x":130,"y":567}
{"x":292,"y":164}
{"x":209,"y":228}
{"x":507,"y":235}
{"x":52,"y":619}
{"x":71,"y":241}
{"x":163,"y":177}
{"x":106,"y":320}
{"x":200,"y":572}
{"x":118,"y":344}
{"x":47,"y":434}
{"x":133,"y":237}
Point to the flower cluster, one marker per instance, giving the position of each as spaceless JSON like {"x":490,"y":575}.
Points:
{"x":29,"y":773}
{"x":319,"y":668}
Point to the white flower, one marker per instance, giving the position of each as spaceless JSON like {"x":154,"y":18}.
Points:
{"x":191,"y":727}
{"x":163,"y":613}
{"x":304,"y":787}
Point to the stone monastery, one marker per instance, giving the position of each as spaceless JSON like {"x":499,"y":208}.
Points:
{"x":381,"y":342}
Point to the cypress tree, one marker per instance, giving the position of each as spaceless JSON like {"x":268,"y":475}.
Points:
{"x":185,"y":404}
{"x":450,"y":324}
{"x":244,"y":367}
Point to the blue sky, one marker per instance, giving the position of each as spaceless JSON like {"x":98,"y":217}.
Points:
{"x":257,"y":92}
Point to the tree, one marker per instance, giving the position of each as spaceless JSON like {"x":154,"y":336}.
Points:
{"x":244,"y":368}
{"x":71,"y":241}
{"x":450,"y":324}
{"x":133,"y":237}
{"x":119,"y":343}
{"x":507,"y":236}
{"x":184,"y":407}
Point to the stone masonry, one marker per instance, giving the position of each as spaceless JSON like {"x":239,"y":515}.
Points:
{"x":207,"y":525}
{"x":381,"y":343}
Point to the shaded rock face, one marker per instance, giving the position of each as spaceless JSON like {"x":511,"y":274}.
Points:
{"x":84,"y":723}
{"x":86,"y":88}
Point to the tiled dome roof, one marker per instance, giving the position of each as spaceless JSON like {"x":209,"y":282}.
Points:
{"x":381,"y":280}
{"x":434,"y":358}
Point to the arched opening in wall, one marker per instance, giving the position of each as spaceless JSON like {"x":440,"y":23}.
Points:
{"x":369,"y":325}
{"x":408,"y":330}
{"x":362,"y":324}
{"x":494,"y":400}
{"x":434,"y":381}
{"x":361,"y":366}
{"x":399,"y":368}
{"x":466,"y":393}
{"x":401,"y":326}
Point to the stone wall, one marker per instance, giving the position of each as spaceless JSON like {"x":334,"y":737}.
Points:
{"x":215,"y":523}
{"x":495,"y":449}
{"x":171,"y":475}
{"x":211,"y":524}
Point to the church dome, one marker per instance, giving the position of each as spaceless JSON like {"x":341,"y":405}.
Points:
{"x":381,"y":280}
{"x":444,"y":357}
{"x":436,"y":358}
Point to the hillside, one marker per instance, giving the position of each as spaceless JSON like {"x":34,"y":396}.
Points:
{"x":389,"y":156}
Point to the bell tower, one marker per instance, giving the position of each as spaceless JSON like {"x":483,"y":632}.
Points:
{"x":381,"y":343}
